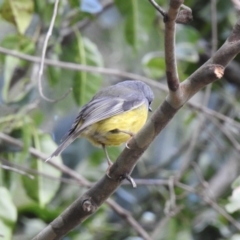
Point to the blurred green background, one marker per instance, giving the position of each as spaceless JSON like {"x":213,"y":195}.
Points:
{"x":125,"y":36}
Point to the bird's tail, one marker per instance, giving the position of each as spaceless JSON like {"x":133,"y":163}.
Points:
{"x":67,"y":141}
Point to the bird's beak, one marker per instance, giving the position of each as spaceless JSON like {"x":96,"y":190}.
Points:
{"x":149,"y":109}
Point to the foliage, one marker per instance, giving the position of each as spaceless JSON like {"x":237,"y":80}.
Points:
{"x":126,"y":36}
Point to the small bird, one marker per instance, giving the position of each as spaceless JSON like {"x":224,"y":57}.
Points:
{"x":112,"y":116}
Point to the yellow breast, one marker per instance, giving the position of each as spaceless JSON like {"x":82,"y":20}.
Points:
{"x":102,"y":132}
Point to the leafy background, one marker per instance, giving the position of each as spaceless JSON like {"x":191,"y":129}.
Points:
{"x":126,"y":36}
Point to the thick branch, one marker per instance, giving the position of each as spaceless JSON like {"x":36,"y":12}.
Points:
{"x":83,"y":182}
{"x":125,"y":163}
{"x":212,"y":70}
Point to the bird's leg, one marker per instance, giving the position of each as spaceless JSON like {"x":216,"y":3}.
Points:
{"x":130,"y":134}
{"x":108,"y":160}
{"x":127,"y":176}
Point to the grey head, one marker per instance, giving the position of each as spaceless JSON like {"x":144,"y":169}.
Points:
{"x":140,"y":86}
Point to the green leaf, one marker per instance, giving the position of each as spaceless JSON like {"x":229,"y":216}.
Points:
{"x":132,"y":26}
{"x":8,"y":214}
{"x":190,"y":35}
{"x":26,"y":136}
{"x":20,"y":43}
{"x":42,"y":189}
{"x":79,"y":82}
{"x":10,"y":64}
{"x":139,"y":16}
{"x":16,"y":121}
{"x":85,"y":84}
{"x":17,"y":91}
{"x":18,"y":12}
{"x":189,"y":118}
{"x":74,"y":3}
{"x":53,"y":75}
{"x":154,"y":65}
{"x":53,"y":72}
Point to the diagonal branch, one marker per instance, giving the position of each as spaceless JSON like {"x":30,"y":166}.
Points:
{"x":122,"y":212}
{"x":87,"y":204}
{"x":84,"y":182}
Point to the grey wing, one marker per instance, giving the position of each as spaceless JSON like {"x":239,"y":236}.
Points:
{"x":99,"y":109}
{"x":103,"y":108}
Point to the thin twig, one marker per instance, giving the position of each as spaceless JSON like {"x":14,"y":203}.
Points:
{"x":189,"y":153}
{"x":140,"y":182}
{"x":128,"y":217}
{"x":174,"y":155}
{"x":159,"y":9}
{"x":86,"y":68}
{"x":6,"y":167}
{"x":35,"y":172}
{"x":213,"y":204}
{"x":84,"y":182}
{"x":202,"y":119}
{"x":207,"y":93}
{"x":114,"y":72}
{"x":161,"y":226}
{"x":171,"y":207}
{"x":215,"y":114}
{"x":230,"y":137}
{"x":208,"y":199}
{"x":34,"y":152}
{"x":117,"y":208}
{"x":199,"y":174}
{"x":40,"y":73}
{"x":221,"y":211}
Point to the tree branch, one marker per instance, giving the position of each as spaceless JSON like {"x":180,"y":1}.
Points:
{"x":170,"y":58}
{"x":114,"y":72}
{"x":86,"y":68}
{"x":95,"y":196}
{"x":122,"y":212}
{"x":159,"y":9}
{"x":84,"y":182}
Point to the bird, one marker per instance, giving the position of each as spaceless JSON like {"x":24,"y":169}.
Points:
{"x":113,"y":116}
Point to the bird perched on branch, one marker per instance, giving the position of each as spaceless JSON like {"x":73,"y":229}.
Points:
{"x":112,"y":116}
